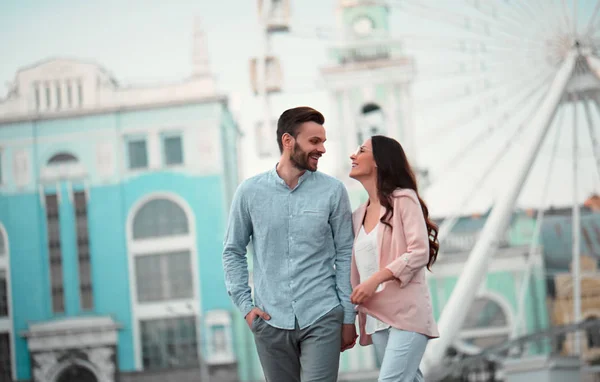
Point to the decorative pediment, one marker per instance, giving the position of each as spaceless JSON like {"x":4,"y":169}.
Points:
{"x":72,"y":333}
{"x":60,"y":68}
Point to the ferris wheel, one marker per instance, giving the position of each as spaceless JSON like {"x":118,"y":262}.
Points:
{"x":506,"y":114}
{"x":509,"y":91}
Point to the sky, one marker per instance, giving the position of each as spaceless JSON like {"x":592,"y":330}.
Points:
{"x":150,"y":41}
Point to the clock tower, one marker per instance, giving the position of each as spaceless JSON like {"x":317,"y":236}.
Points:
{"x":363,"y":19}
{"x":369,"y":84}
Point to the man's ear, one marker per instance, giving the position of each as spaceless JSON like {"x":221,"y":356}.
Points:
{"x":287,"y":140}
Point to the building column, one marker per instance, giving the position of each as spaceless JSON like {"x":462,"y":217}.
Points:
{"x":349,"y":121}
{"x":405,"y":121}
{"x":393,"y":116}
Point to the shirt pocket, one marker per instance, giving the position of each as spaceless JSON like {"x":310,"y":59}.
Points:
{"x":314,"y":225}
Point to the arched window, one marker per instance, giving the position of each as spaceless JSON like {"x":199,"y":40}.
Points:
{"x":162,"y":274}
{"x":371,"y":122}
{"x":76,"y":373}
{"x":62,"y":158}
{"x":159,"y":218}
{"x":592,"y":334}
{"x":162,"y":247}
{"x":486,"y":324}
{"x":62,"y":166}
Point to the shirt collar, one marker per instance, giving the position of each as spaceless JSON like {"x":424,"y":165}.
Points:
{"x":278,"y":179}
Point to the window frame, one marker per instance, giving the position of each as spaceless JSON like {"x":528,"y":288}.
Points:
{"x":83,"y":241}
{"x":218,"y":325}
{"x":191,"y":320}
{"x":128,"y":141}
{"x":169,"y":135}
{"x":6,"y":322}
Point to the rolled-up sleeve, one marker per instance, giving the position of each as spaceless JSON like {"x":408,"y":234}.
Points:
{"x":235,"y":263}
{"x":343,"y":238}
{"x":408,"y":213}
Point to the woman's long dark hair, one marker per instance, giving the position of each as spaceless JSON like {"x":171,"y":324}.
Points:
{"x":393,"y":172}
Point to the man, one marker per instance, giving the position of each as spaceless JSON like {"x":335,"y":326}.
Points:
{"x":300,"y":224}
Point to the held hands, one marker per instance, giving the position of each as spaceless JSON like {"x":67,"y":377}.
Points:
{"x":255,"y":312}
{"x":349,"y":336}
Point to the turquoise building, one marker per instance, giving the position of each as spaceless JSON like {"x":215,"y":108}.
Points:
{"x":113,"y":206}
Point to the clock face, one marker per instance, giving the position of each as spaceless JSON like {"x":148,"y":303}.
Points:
{"x":363,"y":26}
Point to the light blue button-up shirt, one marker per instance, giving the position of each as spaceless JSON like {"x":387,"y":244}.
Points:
{"x":302,"y":240}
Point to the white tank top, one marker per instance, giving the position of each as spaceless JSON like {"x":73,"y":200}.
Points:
{"x":367,"y":262}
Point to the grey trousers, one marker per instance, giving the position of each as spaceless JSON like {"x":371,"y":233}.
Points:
{"x":301,"y":355}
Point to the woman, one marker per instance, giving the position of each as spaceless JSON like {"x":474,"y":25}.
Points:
{"x":395,"y":243}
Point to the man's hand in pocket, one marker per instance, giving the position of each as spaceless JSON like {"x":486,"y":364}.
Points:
{"x":253,"y":314}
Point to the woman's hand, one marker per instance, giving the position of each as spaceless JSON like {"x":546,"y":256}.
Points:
{"x":365,"y":290}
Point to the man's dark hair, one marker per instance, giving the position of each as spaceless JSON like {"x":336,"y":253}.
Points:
{"x":291,"y":119}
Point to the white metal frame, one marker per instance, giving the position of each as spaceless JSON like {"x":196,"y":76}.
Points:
{"x":476,"y":266}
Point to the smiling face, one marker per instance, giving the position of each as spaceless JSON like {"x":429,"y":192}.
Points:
{"x":363,"y":162}
{"x":308,"y":146}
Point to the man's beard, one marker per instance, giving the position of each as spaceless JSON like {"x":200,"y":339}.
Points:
{"x":299,"y":159}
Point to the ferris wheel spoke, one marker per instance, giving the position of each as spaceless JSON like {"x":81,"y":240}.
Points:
{"x":449,"y":223}
{"x":575,"y":18}
{"x":514,"y":24}
{"x":547,"y":13}
{"x":461,"y":21}
{"x":590,"y":26}
{"x":593,"y":137}
{"x":490,"y":11}
{"x":469,"y":51}
{"x":541,"y":14}
{"x":508,"y":14}
{"x":595,"y":29}
{"x":455,"y":43}
{"x":576,"y":226}
{"x":566,"y":17}
{"x":474,"y":114}
{"x":520,"y":14}
{"x":534,"y":244}
{"x":524,"y":8}
{"x":556,"y":14}
{"x":463,"y":73}
{"x":517,"y":102}
{"x":451,"y":94}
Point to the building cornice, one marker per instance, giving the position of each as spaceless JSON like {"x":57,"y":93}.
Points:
{"x":75,"y":113}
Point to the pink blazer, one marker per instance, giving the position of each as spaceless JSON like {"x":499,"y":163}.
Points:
{"x":403,"y":303}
